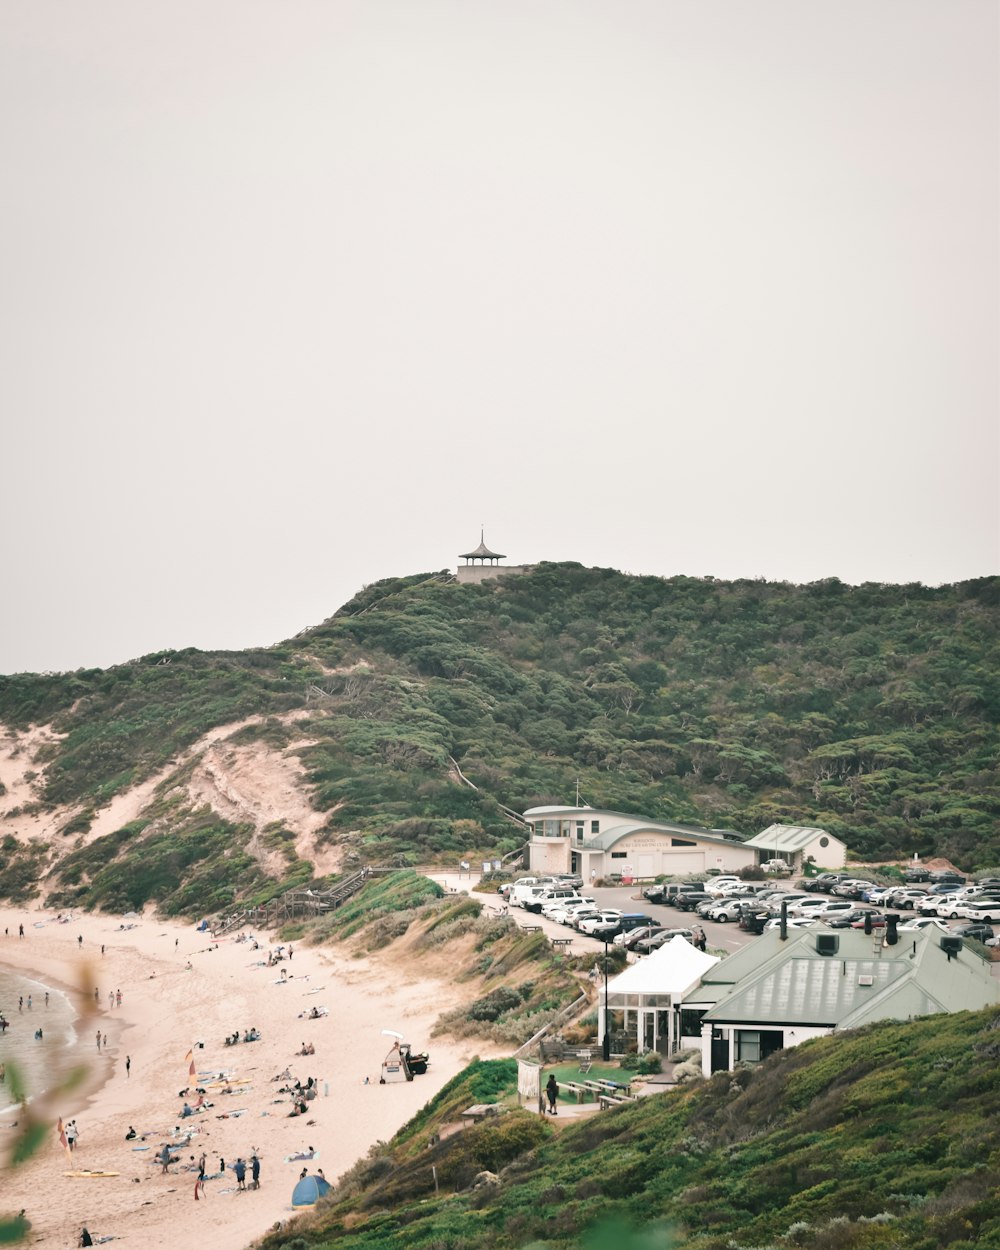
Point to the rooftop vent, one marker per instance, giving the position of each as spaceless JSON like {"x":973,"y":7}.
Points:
{"x":827,"y":943}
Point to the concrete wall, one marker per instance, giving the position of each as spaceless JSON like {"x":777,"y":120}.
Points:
{"x":473,"y":573}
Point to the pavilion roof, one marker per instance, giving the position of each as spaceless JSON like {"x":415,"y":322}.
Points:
{"x":482,"y":552}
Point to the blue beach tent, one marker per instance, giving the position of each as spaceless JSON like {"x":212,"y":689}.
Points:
{"x":308,"y":1190}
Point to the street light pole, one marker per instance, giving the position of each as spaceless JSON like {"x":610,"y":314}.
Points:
{"x":607,"y":1021}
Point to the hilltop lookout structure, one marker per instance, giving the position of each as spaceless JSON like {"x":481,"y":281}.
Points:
{"x":482,"y":564}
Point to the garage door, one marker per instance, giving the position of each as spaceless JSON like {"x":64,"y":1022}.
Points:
{"x":681,"y":863}
{"x":645,"y":865}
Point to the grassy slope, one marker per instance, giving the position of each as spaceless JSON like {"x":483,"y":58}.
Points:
{"x":885,"y":1138}
{"x":870,"y":710}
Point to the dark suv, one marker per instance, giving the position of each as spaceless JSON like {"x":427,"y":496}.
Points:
{"x":976,"y":931}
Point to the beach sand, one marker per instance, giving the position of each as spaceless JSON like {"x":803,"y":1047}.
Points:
{"x":169,"y":1008}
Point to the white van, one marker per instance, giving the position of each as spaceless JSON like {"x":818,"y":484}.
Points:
{"x":521,"y":893}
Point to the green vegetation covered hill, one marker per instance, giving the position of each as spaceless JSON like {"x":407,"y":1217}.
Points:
{"x":887,"y":1139}
{"x":869,"y":710}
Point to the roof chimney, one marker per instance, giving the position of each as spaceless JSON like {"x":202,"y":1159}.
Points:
{"x":783,"y":930}
{"x":891,"y":936}
{"x":868,"y":923}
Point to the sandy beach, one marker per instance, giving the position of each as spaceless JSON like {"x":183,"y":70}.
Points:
{"x":182,"y":992}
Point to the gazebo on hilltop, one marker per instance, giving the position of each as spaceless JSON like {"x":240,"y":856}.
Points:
{"x":482,"y":553}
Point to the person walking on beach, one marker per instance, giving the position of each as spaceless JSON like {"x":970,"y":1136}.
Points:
{"x":200,"y":1182}
{"x":98,"y":1039}
{"x":79,"y":941}
{"x":128,"y":1066}
{"x":552,"y":1093}
{"x":118,"y":998}
{"x":20,"y":930}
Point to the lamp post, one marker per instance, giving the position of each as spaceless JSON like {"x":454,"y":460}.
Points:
{"x":607,"y":1021}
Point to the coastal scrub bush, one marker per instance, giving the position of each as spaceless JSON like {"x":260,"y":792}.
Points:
{"x":498,"y":1001}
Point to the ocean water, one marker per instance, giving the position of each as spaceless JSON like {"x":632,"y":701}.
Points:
{"x":37,"y":1060}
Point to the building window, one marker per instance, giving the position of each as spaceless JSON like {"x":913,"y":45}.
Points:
{"x":619,"y":854}
{"x":595,"y":826}
{"x":691,"y":1021}
{"x":747,"y":1046}
{"x":824,"y":841}
{"x":682,"y":842}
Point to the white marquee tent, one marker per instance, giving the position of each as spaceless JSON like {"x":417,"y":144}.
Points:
{"x":653,"y":989}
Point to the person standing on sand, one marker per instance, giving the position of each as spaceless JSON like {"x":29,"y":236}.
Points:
{"x":128,"y":1066}
{"x":200,"y":1182}
{"x":240,"y":1168}
{"x":255,"y":1172}
{"x":552,"y":1093}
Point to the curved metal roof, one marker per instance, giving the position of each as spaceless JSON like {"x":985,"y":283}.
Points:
{"x":482,"y":552}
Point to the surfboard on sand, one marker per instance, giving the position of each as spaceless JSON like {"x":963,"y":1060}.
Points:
{"x":88,"y":1173}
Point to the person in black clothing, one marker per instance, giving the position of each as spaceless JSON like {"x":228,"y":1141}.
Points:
{"x":552,"y":1093}
{"x":86,"y":1239}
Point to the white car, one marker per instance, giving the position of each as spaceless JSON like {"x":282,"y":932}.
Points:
{"x":793,"y":922}
{"x":719,"y":885}
{"x":981,"y":910}
{"x":948,"y":907}
{"x":929,"y":906}
{"x":565,"y":913}
{"x":602,"y":919}
{"x":810,"y":906}
{"x":923,"y":922}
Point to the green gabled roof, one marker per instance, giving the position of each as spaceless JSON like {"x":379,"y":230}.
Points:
{"x":787,"y":837}
{"x":794,"y":984}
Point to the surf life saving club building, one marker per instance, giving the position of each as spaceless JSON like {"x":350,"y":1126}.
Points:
{"x":598,"y":843}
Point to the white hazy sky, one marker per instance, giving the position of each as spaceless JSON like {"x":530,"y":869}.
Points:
{"x":297,"y":294}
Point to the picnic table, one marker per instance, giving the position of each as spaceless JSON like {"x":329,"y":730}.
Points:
{"x":561,"y":941}
{"x":479,"y":1111}
{"x":574,"y":1087}
{"x":530,"y":928}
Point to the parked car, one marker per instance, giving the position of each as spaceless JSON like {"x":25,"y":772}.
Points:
{"x":646,"y":945}
{"x":536,"y":902}
{"x":727,"y":909}
{"x":977,"y":932}
{"x":821,"y":907}
{"x":942,"y":875}
{"x":923,"y":922}
{"x":904,"y":896}
{"x":916,"y":875}
{"x":825,"y":882}
{"x":779,"y":866}
{"x":688,"y":902}
{"x":605,"y":931}
{"x":718,"y":885}
{"x":628,"y":938}
{"x":878,"y":921}
{"x":853,"y":887}
{"x":929,"y":906}
{"x":793,"y":922}
{"x":773,"y":904}
{"x":981,"y":911}
{"x":605,"y":917}
{"x":563,"y":913}
{"x":848,"y":919}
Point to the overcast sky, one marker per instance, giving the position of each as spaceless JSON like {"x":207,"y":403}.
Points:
{"x":297,"y":295}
